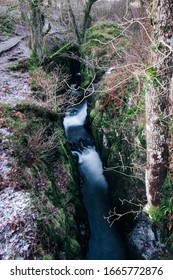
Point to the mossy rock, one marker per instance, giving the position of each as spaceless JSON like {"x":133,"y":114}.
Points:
{"x":121,"y":153}
{"x":98,"y":40}
{"x":47,"y":258}
{"x":103,"y":31}
{"x":74,"y":248}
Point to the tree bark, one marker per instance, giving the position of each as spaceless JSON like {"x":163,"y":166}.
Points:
{"x":85,"y":24}
{"x":76,"y":29}
{"x":87,"y":19}
{"x":157,"y":101}
{"x":37,"y":23}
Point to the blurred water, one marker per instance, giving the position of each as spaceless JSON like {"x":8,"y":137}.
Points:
{"x":105,"y":241}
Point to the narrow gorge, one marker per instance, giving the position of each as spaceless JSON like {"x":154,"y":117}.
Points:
{"x":105,"y":242}
{"x":79,"y":107}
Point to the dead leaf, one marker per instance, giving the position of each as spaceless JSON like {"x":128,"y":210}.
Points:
{"x":2,"y":121}
{"x":21,"y":116}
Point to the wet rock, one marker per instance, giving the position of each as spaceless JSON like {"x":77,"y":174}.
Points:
{"x":56,"y":39}
{"x":10,"y":43}
{"x":145,"y":241}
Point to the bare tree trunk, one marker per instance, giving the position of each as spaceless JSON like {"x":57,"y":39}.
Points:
{"x":157,"y":101}
{"x":87,"y":19}
{"x":37,"y":23}
{"x":76,"y":29}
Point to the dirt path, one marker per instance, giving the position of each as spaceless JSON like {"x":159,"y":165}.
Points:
{"x":9,"y":44}
{"x":17,"y":220}
{"x":14,"y":84}
{"x":14,"y":88}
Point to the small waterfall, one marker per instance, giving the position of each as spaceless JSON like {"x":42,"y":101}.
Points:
{"x":75,"y":116}
{"x":105,"y":241}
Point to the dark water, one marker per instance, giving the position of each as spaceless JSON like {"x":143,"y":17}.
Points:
{"x":105,"y":242}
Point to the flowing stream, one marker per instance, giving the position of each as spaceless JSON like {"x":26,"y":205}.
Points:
{"x":105,"y":242}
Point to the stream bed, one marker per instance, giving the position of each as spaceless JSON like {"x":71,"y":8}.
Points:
{"x":105,"y":242}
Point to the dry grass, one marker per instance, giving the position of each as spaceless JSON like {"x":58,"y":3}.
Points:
{"x":49,"y":87}
{"x":40,"y":147}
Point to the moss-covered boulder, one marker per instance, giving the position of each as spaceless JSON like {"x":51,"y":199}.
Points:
{"x":99,"y":38}
{"x":99,"y":51}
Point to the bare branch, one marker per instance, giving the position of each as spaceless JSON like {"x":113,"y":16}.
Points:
{"x":114,"y":216}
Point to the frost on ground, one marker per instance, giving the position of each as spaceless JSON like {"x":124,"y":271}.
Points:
{"x":6,"y":159}
{"x":17,"y":215}
{"x":17,"y":225}
{"x":14,"y":86}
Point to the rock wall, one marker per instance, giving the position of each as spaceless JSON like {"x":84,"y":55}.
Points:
{"x":119,"y":135}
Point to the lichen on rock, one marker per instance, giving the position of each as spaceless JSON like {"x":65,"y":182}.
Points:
{"x":145,"y":241}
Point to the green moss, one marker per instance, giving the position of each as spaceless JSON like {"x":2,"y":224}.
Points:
{"x":153,"y":76}
{"x":165,"y":210}
{"x":61,"y":50}
{"x":88,"y":73}
{"x":74,"y":246}
{"x":155,"y":214}
{"x":47,"y":258}
{"x":105,"y":30}
{"x":123,"y":126}
{"x":54,"y":192}
{"x":6,"y":25}
{"x":99,"y":35}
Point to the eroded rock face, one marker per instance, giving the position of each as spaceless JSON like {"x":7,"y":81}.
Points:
{"x":145,"y":241}
{"x":17,"y":225}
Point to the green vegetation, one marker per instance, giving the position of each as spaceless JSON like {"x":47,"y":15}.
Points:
{"x":47,"y":171}
{"x":98,"y":39}
{"x":6,"y":25}
{"x":44,"y":166}
{"x":165,"y":211}
{"x":123,"y":127}
{"x":153,"y":76}
{"x":62,"y":49}
{"x":100,"y":34}
{"x":104,"y":28}
{"x":98,"y":49}
{"x":163,"y":216}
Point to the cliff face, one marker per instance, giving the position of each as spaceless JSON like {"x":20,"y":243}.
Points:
{"x":120,"y":139}
{"x":117,"y":117}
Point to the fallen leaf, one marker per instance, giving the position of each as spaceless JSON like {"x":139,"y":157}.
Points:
{"x":21,"y":116}
{"x":2,"y":121}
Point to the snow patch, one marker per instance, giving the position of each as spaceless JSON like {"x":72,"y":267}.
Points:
{"x":6,"y":160}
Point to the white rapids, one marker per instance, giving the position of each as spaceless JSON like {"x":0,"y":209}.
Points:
{"x":105,"y":241}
